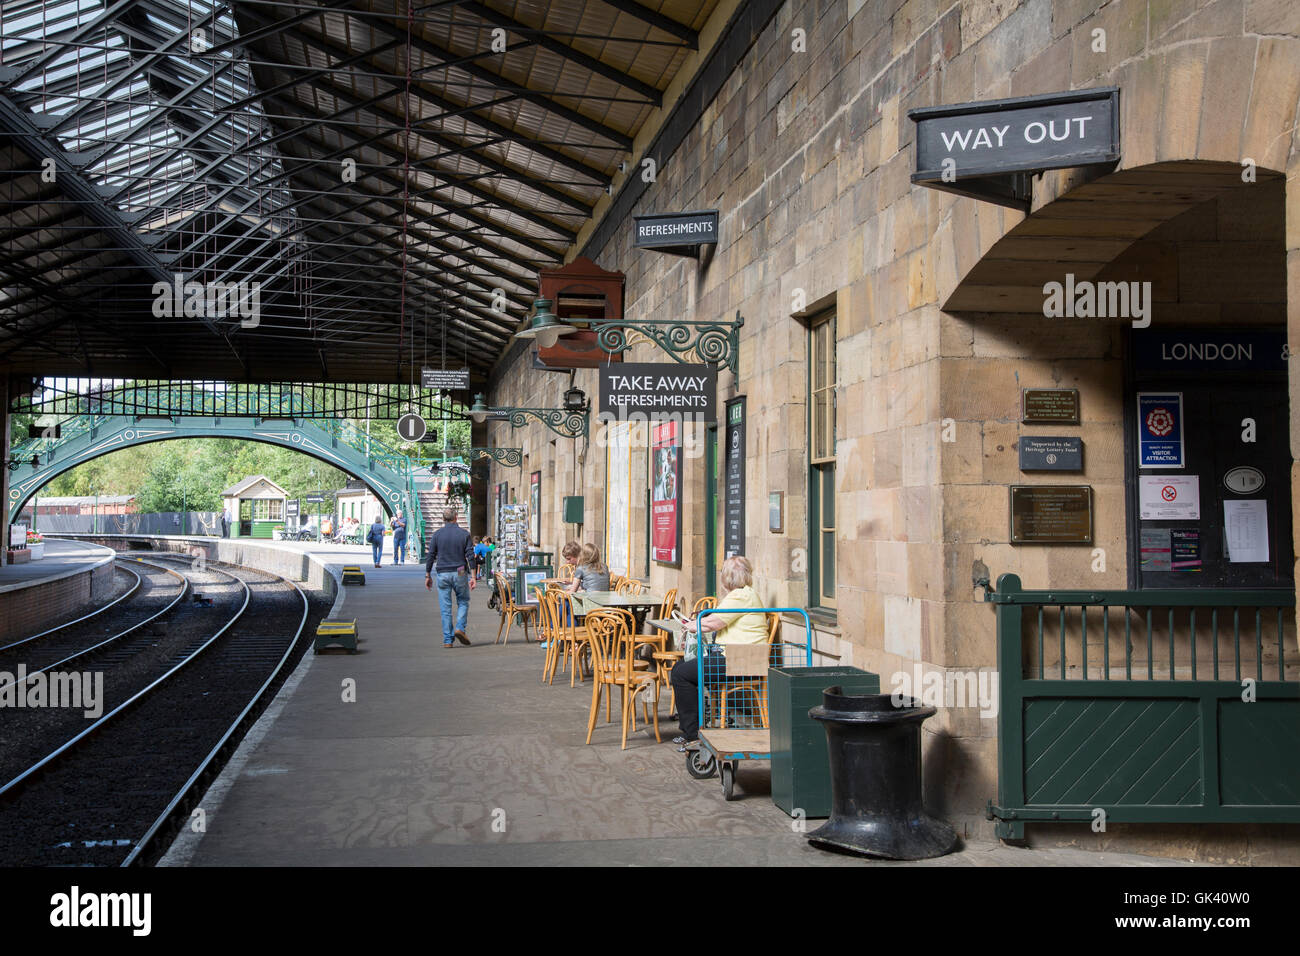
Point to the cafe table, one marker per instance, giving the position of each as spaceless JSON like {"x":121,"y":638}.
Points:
{"x":638,"y":604}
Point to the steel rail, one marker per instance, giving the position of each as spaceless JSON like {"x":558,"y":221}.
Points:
{"x":191,"y":785}
{"x":134,"y":698}
{"x":85,"y":617}
{"x":185,"y":584}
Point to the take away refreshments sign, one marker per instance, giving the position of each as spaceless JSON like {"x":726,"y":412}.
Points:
{"x":659,"y":390}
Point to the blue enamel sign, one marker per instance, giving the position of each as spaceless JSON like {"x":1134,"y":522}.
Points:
{"x":1160,"y":430}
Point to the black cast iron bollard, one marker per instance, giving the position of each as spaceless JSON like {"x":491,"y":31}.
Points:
{"x":875,"y":761}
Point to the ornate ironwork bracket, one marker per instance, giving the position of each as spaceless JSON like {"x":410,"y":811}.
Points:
{"x":509,"y":457}
{"x":564,"y":422}
{"x":713,"y":342}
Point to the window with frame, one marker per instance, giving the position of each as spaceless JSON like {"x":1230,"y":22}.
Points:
{"x":821,"y":462}
{"x":268,"y":509}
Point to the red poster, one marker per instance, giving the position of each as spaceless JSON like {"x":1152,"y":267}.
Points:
{"x":665,"y":494}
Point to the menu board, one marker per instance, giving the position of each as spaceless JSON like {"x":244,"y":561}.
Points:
{"x":734,"y":480}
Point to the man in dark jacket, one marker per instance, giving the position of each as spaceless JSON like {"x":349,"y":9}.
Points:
{"x":451,"y":555}
{"x":376,"y":538}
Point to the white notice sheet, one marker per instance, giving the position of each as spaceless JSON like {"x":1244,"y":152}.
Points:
{"x":1245,"y":528}
{"x":1169,"y":497}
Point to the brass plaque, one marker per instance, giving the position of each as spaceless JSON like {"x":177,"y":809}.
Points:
{"x":1049,"y":406}
{"x":1051,"y":514}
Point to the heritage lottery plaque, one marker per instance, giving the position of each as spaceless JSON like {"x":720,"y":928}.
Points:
{"x":1054,"y":453}
{"x":1049,"y":406}
{"x":1051,"y":514}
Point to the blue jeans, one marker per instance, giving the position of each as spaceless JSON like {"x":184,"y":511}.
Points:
{"x":399,"y":550}
{"x":449,"y":581}
{"x":378,"y":549}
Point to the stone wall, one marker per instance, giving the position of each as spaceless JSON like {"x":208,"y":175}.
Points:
{"x":807,"y":155}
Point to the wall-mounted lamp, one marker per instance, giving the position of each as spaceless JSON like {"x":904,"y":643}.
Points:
{"x":545,"y":327}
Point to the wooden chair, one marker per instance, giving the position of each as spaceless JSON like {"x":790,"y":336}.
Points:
{"x":570,"y":638}
{"x":757,"y":686}
{"x":659,"y":640}
{"x":708,"y":601}
{"x":565,"y":573}
{"x":616,"y":581}
{"x":613,"y":665}
{"x":510,"y":610}
{"x":630,"y":586}
{"x":546,"y":625}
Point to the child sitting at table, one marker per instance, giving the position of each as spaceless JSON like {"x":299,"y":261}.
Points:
{"x":590,"y":574}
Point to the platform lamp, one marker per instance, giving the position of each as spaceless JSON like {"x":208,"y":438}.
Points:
{"x":568,"y":422}
{"x":545,"y":327}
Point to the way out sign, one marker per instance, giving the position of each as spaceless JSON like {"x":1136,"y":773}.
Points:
{"x":989,"y":150}
{"x":411,"y":427}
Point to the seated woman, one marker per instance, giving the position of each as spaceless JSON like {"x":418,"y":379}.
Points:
{"x":737,"y":578}
{"x":590,"y":574}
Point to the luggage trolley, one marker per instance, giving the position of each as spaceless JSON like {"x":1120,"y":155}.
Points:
{"x":732,"y":698}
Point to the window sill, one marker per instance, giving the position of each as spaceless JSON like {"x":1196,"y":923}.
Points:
{"x":823,"y":621}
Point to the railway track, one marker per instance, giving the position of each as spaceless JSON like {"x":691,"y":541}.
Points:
{"x":109,"y":793}
{"x":70,"y":644}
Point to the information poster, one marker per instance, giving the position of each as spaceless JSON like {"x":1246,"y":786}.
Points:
{"x":734,"y":481}
{"x":535,"y":509}
{"x":1160,"y":430}
{"x":1155,"y":549}
{"x":665,"y":495}
{"x":1245,"y":529}
{"x":618,"y":495}
{"x":1169,"y":498}
{"x":1185,"y":549}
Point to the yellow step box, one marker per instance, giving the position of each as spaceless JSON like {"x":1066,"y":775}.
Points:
{"x":336,"y":634}
{"x":352,"y":574}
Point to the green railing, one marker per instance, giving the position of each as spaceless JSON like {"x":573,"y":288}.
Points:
{"x":1146,"y":706}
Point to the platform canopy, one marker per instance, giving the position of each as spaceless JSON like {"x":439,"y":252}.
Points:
{"x":385,"y":177}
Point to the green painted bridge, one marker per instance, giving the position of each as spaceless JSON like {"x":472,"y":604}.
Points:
{"x":391,"y":475}
{"x":267,"y":414}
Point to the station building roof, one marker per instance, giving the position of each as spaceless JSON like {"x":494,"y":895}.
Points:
{"x":385,"y":178}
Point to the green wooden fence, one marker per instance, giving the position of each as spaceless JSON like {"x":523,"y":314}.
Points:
{"x":1157,"y":706}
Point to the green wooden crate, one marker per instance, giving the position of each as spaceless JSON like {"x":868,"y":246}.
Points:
{"x":801,"y":777}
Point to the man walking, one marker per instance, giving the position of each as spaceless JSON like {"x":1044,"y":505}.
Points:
{"x":399,"y":539}
{"x":451,"y":554}
{"x":376,"y":538}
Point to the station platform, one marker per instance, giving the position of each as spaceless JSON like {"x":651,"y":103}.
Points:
{"x":39,"y":594}
{"x":463,"y":757}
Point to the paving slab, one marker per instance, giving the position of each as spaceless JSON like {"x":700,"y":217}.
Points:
{"x":408,"y":754}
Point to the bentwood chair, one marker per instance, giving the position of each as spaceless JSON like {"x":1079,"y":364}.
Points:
{"x":510,"y":610}
{"x":708,"y":601}
{"x":565,"y":573}
{"x":758,"y":685}
{"x":659,"y":639}
{"x":616,"y":581}
{"x":571,"y":638}
{"x":546,"y":626}
{"x":614,"y":666}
